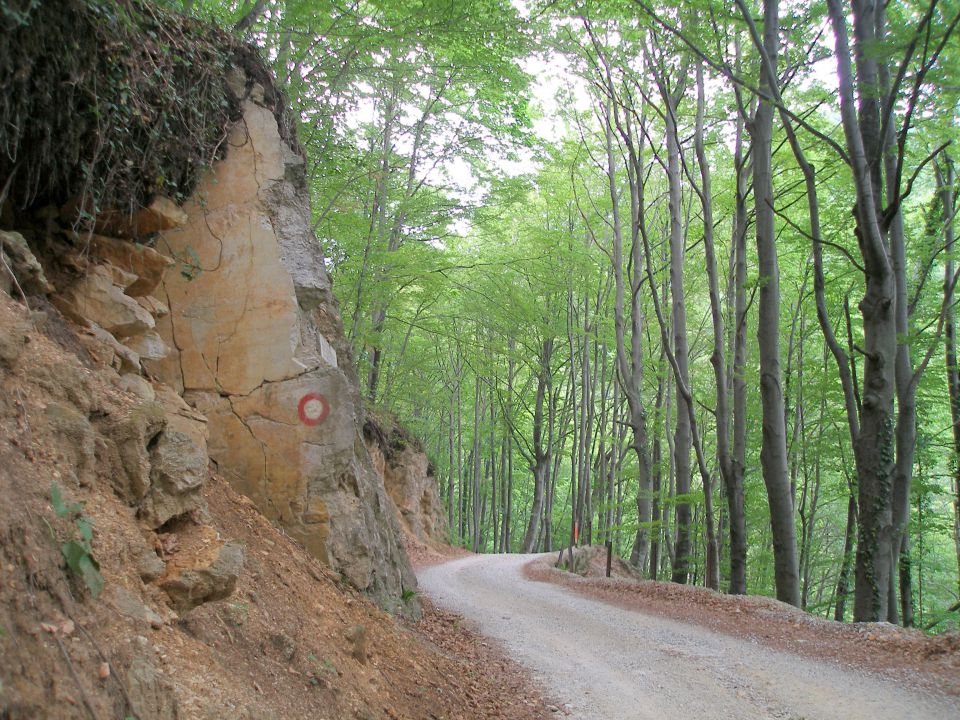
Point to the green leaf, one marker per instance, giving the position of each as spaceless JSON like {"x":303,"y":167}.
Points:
{"x":73,"y":551}
{"x":85,"y":526}
{"x":60,"y":506}
{"x":56,"y":499}
{"x":91,"y":576}
{"x":82,"y":563}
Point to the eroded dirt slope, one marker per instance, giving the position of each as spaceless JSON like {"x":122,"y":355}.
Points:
{"x":291,"y":640}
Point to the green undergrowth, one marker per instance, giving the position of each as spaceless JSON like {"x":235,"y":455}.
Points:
{"x":77,"y":551}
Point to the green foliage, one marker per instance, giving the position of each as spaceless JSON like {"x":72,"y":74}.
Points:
{"x":453,"y":271}
{"x":77,"y":552}
{"x":146,"y":107}
{"x":17,"y":14}
{"x":237,"y":612}
{"x":324,"y":664}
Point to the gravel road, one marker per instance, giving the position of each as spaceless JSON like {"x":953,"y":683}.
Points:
{"x":601,"y":662}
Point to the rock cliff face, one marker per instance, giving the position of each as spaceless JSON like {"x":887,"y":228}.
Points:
{"x":408,"y":478}
{"x":257,"y":347}
{"x":223,"y":303}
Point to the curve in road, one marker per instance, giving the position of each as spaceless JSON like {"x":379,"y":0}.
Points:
{"x":607,"y":663}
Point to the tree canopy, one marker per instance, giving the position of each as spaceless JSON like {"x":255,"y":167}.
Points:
{"x":678,"y":277}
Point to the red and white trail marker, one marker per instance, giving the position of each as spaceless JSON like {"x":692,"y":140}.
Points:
{"x":313,"y":409}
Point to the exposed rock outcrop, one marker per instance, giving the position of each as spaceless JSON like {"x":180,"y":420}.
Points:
{"x":408,"y":478}
{"x":258,"y":349}
{"x":207,"y":582}
{"x":178,"y":463}
{"x":226,"y":301}
{"x":17,"y":258}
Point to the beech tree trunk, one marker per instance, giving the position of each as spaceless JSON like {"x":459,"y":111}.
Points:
{"x":875,"y":446}
{"x":682,"y":438}
{"x":539,"y":455}
{"x":630,"y":367}
{"x":945,"y":184}
{"x":734,"y":482}
{"x":718,"y":356}
{"x":773,"y":451}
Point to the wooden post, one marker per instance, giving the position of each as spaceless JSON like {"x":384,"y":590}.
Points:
{"x":609,"y":556}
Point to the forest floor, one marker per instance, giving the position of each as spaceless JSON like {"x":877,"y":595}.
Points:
{"x":618,"y":649}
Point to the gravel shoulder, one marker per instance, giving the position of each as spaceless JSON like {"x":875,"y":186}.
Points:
{"x":600,"y":660}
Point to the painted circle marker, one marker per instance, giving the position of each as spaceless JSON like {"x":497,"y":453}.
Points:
{"x":313,"y":409}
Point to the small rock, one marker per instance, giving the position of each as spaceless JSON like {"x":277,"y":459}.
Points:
{"x":149,"y":566}
{"x":76,"y":436}
{"x":161,"y":214}
{"x":137,"y":385}
{"x":149,"y":696}
{"x":153,"y":306}
{"x":145,"y":263}
{"x":104,"y":671}
{"x":358,"y":636}
{"x":124,"y":602}
{"x":121,"y":278}
{"x":13,"y":339}
{"x":285,"y":645}
{"x":179,"y":466}
{"x":149,"y":346}
{"x":128,"y":360}
{"x":98,"y":299}
{"x":128,"y":437}
{"x":200,"y":585}
{"x":39,"y":318}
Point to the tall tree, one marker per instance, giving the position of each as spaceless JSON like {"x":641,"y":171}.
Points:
{"x":773,"y":450}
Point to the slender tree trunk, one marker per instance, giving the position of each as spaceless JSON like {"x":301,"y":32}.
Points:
{"x":945,"y":183}
{"x":657,"y":511}
{"x":682,"y":440}
{"x":773,"y":451}
{"x":735,"y":499}
{"x":451,"y":472}
{"x":906,"y":382}
{"x":718,"y":356}
{"x":494,"y":496}
{"x":460,"y":498}
{"x":671,"y":476}
{"x":809,"y":523}
{"x":475,"y":493}
{"x":540,"y":456}
{"x":630,"y":362}
{"x":508,"y":442}
{"x":843,"y":578}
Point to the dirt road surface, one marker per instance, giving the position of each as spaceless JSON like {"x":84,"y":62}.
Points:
{"x":601,"y":662}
